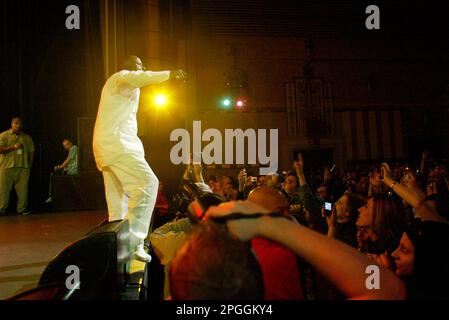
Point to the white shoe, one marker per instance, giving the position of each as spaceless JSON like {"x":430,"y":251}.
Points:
{"x":141,"y":255}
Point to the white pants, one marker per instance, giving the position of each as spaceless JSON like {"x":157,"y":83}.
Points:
{"x":131,"y":191}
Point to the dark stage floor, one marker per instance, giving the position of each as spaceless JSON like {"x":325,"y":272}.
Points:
{"x":28,"y":243}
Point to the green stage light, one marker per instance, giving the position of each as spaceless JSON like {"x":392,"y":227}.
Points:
{"x":226,"y":103}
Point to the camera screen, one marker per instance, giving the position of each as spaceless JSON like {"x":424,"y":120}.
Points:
{"x":328,"y":206}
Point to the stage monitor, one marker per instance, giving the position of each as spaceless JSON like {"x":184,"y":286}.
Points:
{"x":94,"y":268}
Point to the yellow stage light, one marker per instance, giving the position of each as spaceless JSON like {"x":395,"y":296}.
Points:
{"x":160,"y":100}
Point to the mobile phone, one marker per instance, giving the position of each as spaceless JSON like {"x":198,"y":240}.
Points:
{"x":328,"y":208}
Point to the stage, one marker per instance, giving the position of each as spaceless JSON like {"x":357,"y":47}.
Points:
{"x":29,"y":243}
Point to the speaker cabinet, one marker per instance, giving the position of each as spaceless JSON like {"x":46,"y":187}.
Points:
{"x":102,"y":258}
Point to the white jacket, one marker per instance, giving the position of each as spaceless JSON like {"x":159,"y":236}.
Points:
{"x":115,"y":132}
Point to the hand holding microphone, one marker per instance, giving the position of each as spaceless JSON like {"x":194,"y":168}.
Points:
{"x":178,"y":75}
{"x":18,"y":146}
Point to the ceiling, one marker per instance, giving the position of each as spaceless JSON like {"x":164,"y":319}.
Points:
{"x":325,"y":18}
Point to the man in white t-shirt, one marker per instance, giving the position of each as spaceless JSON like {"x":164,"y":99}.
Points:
{"x":130,"y":184}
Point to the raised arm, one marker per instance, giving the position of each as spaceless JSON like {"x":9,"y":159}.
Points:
{"x":410,"y":196}
{"x":306,"y":196}
{"x":299,"y":168}
{"x":198,"y":172}
{"x":423,"y":167}
{"x":342,"y":265}
{"x":139,"y":79}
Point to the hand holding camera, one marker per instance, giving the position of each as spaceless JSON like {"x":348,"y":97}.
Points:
{"x":408,"y":178}
{"x":329,"y":213}
{"x":328,"y":208}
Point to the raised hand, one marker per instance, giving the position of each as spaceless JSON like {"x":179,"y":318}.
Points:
{"x":179,"y":74}
{"x":331,"y":219}
{"x":197,"y":168}
{"x":385,"y":172}
{"x":242,"y":177}
{"x":298,"y":165}
{"x":374,"y":179}
{"x":326,"y":174}
{"x":409,"y":180}
{"x":189,"y":169}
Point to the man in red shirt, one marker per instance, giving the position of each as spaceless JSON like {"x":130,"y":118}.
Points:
{"x":281,"y":275}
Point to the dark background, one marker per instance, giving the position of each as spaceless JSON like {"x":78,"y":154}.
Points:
{"x":50,"y":77}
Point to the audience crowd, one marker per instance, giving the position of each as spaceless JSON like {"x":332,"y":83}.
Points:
{"x":377,"y":231}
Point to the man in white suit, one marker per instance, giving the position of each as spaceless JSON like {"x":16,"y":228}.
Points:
{"x":130,"y":184}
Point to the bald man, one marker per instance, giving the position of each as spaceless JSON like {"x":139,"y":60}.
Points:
{"x":271,"y":199}
{"x":130,"y":184}
{"x":16,"y":159}
{"x":282,"y":278}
